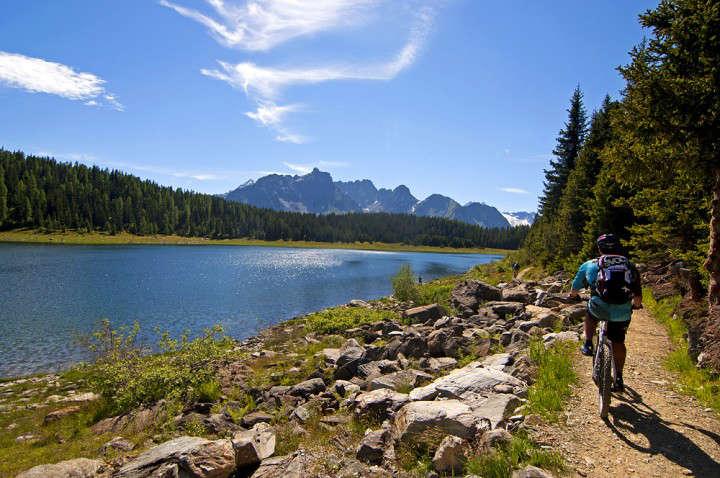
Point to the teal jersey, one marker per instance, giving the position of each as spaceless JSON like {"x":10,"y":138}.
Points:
{"x":587,"y":277}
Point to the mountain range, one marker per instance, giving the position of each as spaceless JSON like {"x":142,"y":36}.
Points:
{"x":316,"y":192}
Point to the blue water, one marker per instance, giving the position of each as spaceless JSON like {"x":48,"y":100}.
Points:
{"x":50,"y":293}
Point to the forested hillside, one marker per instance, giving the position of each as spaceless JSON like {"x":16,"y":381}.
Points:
{"x":45,"y":194}
{"x":645,"y":167}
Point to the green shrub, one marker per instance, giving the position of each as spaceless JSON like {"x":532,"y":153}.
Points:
{"x":404,"y":286}
{"x":519,"y":452}
{"x":548,"y":395}
{"x":337,"y":319}
{"x":185,"y":372}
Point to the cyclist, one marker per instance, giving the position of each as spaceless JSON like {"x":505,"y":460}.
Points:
{"x":615,"y":289}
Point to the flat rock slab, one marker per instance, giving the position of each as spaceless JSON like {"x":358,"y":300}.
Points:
{"x":77,"y":468}
{"x":449,"y":417}
{"x":468,"y":382}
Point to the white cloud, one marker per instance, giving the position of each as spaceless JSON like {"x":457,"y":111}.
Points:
{"x":299,"y":168}
{"x":260,"y":25}
{"x":514,"y":190}
{"x":36,"y":75}
{"x":265,"y":84}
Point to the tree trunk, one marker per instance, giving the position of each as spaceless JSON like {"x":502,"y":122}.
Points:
{"x":712,"y":264}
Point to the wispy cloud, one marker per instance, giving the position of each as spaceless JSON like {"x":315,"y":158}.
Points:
{"x":36,"y":75}
{"x":263,"y":24}
{"x":515,"y":190}
{"x":308,"y":167}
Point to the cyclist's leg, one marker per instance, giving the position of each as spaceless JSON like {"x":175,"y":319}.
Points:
{"x":589,"y":326}
{"x":616,"y":333}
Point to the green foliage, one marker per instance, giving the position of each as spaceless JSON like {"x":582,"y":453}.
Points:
{"x":43,"y":193}
{"x":519,"y":452}
{"x":693,"y":381}
{"x":549,"y":394}
{"x":404,"y":286}
{"x":127,"y":379}
{"x":337,"y":319}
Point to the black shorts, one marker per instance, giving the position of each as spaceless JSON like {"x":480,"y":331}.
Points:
{"x":616,"y":331}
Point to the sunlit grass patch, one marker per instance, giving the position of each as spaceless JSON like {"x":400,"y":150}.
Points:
{"x":519,"y":452}
{"x":548,"y":395}
{"x":694,"y":381}
{"x":338,"y":319}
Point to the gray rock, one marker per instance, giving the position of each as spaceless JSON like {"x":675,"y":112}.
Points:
{"x":307,"y":388}
{"x":372,"y":447}
{"x":369,"y":369}
{"x":117,"y":443}
{"x":519,"y":293}
{"x":185,"y":455}
{"x":493,"y":438}
{"x":253,"y":446}
{"x":288,"y":466}
{"x":423,"y":313}
{"x":565,"y":336}
{"x":379,"y":404}
{"x":413,"y":345}
{"x":531,"y":472}
{"x":77,"y":468}
{"x":359,"y":303}
{"x":504,"y":309}
{"x":404,"y":378}
{"x":450,"y":417}
{"x":301,"y":413}
{"x":496,"y":407}
{"x":253,"y":418}
{"x":61,"y":413}
{"x":450,"y":455}
{"x":351,"y":355}
{"x":497,"y":361}
{"x":467,"y":296}
{"x":344,"y":387}
{"x":439,"y":364}
{"x":468,"y":382}
{"x":574,"y":313}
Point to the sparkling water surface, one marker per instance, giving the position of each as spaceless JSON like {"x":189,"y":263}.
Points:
{"x":49,"y":294}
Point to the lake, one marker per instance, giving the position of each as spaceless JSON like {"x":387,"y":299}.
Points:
{"x":51,"y":293}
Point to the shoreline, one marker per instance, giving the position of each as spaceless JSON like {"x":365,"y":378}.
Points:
{"x":124,"y":239}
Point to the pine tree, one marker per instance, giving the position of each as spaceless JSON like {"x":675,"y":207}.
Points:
{"x":3,"y":198}
{"x":569,"y":142}
{"x":673,"y":95}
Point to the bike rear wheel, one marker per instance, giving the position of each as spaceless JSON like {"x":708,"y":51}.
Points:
{"x":604,"y":378}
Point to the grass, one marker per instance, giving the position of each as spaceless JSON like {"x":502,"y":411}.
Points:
{"x":548,"y":395}
{"x":338,"y":319}
{"x":699,"y":383}
{"x":518,"y":453}
{"x":124,"y":238}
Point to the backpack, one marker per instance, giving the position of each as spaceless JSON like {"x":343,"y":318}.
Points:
{"x":614,"y":279}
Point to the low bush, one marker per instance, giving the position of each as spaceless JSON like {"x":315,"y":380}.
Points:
{"x":337,"y":319}
{"x":404,"y":285}
{"x":184,"y":371}
{"x":519,"y":452}
{"x":555,"y":374}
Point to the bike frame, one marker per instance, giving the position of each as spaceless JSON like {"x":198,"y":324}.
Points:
{"x":602,"y":338}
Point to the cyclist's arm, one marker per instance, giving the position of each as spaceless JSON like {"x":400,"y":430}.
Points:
{"x":636,"y":287}
{"x":579,"y":282}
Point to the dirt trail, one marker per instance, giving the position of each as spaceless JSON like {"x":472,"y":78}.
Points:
{"x":652,"y":431}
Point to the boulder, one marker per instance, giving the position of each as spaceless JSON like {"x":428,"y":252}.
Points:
{"x":77,"y":468}
{"x":413,"y":345}
{"x":451,"y":417}
{"x":372,"y":447}
{"x":467,"y":296}
{"x":343,"y":387}
{"x":351,"y":355}
{"x":183,"y":456}
{"x":468,"y":382}
{"x":445,"y":342}
{"x":253,"y":446}
{"x":287,"y":466}
{"x":496,"y":407}
{"x":253,"y":418}
{"x":450,"y":455}
{"x":307,"y":388}
{"x":574,"y":313}
{"x":379,"y":404}
{"x":359,"y":303}
{"x":404,"y":378}
{"x":565,"y":336}
{"x":493,"y":438}
{"x":505,"y":308}
{"x":423,"y":313}
{"x":519,"y":293}
{"x":531,"y":472}
{"x":61,"y":413}
{"x":117,"y":443}
{"x":497,"y":361}
{"x":439,"y":364}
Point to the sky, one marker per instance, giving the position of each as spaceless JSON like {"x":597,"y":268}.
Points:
{"x":458,"y":97}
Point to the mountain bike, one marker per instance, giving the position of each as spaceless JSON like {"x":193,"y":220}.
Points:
{"x":603,"y":371}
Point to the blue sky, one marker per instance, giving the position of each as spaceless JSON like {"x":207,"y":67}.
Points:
{"x":458,"y":97}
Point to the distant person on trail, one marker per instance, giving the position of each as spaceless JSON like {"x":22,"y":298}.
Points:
{"x":420,"y":280}
{"x":515,"y":269}
{"x":615,"y":289}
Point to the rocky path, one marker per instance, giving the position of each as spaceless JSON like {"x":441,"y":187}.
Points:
{"x":652,"y":431}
